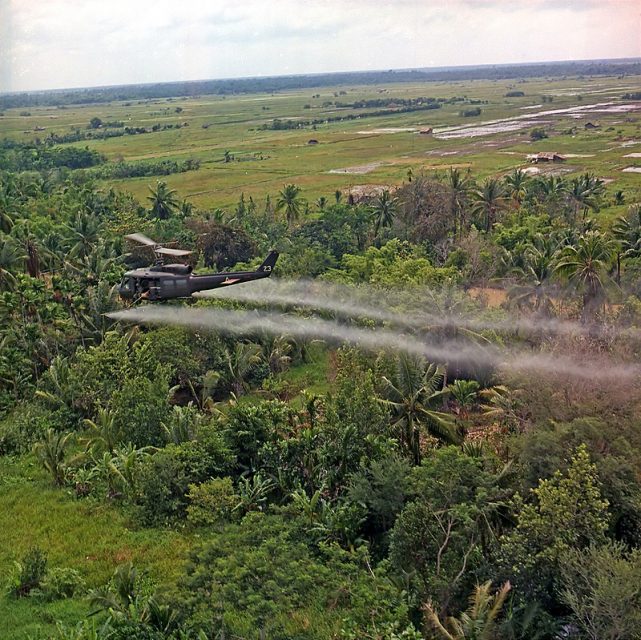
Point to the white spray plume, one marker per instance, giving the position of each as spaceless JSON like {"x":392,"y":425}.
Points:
{"x":253,"y":322}
{"x":415,"y":310}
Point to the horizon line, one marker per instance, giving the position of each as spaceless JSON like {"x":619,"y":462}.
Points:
{"x":324,"y":73}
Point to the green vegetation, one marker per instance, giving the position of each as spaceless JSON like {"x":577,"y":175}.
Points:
{"x":184,"y":484}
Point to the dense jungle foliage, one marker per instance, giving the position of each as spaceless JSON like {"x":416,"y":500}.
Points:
{"x":304,"y":490}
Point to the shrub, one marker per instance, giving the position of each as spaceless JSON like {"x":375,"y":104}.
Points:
{"x":28,"y":573}
{"x":60,"y":583}
{"x":538,"y":133}
{"x":166,"y":476}
{"x":139,"y":407}
{"x":22,"y":428}
{"x":211,"y":501}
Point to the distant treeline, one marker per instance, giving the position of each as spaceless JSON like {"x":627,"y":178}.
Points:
{"x":277,"y":124}
{"x":144,"y":168}
{"x":283,"y":83}
{"x":397,"y":102}
{"x":18,"y":156}
{"x":78,"y":135}
{"x":632,"y":96}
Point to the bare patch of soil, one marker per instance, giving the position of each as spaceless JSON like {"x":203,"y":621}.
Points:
{"x":359,"y":169}
{"x":387,"y":130}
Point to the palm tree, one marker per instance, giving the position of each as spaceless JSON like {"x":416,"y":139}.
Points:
{"x":411,"y":394}
{"x":460,"y":186}
{"x":85,"y":231}
{"x":276,"y":352}
{"x":550,"y":191}
{"x":516,"y":186}
{"x":321,"y":203}
{"x":478,"y":622}
{"x":538,"y":269}
{"x":51,"y":453}
{"x":627,"y":230}
{"x":238,"y":364}
{"x":465,"y":393}
{"x":290,"y":200}
{"x":6,"y":218}
{"x":449,"y":320}
{"x":104,"y":433}
{"x":584,"y":193}
{"x":586,"y":265}
{"x":53,"y":252}
{"x":11,"y":260}
{"x":384,"y":211}
{"x":163,"y":201}
{"x":488,"y":201}
{"x":30,"y":245}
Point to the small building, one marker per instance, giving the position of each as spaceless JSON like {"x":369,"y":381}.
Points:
{"x":312,"y":141}
{"x":426,"y":132}
{"x":545,"y":156}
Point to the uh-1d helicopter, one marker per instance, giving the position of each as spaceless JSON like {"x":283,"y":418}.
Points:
{"x":166,"y":281}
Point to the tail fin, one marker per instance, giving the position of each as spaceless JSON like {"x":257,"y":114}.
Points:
{"x":269,"y":263}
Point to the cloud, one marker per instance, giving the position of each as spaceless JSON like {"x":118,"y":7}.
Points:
{"x":62,"y":43}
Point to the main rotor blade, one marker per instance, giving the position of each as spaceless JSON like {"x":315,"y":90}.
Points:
{"x":142,"y":239}
{"x":172,"y":252}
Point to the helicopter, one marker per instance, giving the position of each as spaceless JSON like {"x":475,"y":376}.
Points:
{"x":167,"y":281}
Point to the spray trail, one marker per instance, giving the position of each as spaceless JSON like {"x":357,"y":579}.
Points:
{"x":366,"y":302}
{"x":253,"y":322}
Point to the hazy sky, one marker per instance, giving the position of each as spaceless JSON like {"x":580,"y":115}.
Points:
{"x":48,"y":44}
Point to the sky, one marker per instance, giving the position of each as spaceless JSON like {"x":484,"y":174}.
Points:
{"x":50,"y":44}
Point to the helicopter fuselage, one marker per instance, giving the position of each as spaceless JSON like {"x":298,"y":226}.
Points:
{"x":168,"y":281}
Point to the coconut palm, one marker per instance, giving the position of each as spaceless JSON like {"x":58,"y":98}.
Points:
{"x":627,"y":230}
{"x":289,"y":199}
{"x":516,"y":184}
{"x":53,"y":251}
{"x":478,"y":622}
{"x":321,"y":203}
{"x":584,"y":193}
{"x":415,"y":388}
{"x":163,"y":201}
{"x":550,"y":191}
{"x":30,"y":245}
{"x":586,"y":266}
{"x":538,"y":268}
{"x":460,"y":186}
{"x":11,"y":260}
{"x":6,"y":216}
{"x":449,"y":319}
{"x":85,"y":232}
{"x":384,"y":211}
{"x":488,"y":201}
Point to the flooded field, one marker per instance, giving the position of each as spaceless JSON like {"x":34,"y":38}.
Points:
{"x":529,"y":120}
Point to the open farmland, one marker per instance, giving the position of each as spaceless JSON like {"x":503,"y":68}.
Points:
{"x":376,"y":145}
